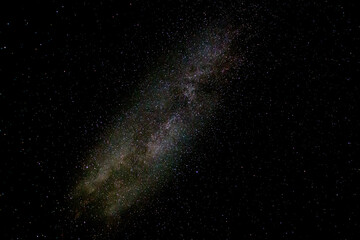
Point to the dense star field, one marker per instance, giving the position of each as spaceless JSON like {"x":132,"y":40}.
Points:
{"x":179,"y":120}
{"x":134,"y":156}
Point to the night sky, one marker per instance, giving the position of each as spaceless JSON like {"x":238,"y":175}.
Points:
{"x":179,"y":120}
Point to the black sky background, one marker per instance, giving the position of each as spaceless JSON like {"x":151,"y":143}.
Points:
{"x":279,"y":162}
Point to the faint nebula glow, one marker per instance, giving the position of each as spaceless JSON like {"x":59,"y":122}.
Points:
{"x":136,"y":157}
